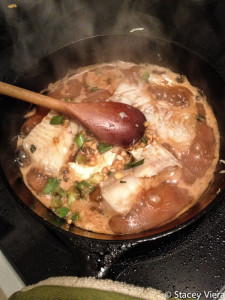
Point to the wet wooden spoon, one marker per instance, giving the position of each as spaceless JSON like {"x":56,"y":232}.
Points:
{"x":112,"y":122}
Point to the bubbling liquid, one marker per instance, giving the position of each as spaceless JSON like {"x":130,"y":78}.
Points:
{"x":113,"y":190}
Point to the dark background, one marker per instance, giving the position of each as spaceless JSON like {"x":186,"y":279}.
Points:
{"x":191,"y":260}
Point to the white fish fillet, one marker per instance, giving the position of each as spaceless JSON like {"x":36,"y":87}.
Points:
{"x":166,"y":122}
{"x":130,"y":94}
{"x":83,"y":172}
{"x":121,"y":196}
{"x":156,"y":158}
{"x":52,"y":143}
{"x":179,"y":130}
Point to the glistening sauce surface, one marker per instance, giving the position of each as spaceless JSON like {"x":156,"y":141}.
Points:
{"x":113,"y":190}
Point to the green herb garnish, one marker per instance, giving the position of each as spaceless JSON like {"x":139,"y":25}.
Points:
{"x":85,"y":187}
{"x":75,"y":217}
{"x":96,"y":178}
{"x":144,"y":140}
{"x":56,"y":202}
{"x":132,"y":164}
{"x":32,"y":148}
{"x":102,"y":148}
{"x":61,"y":212}
{"x":80,"y":158}
{"x":73,"y":195}
{"x":200,"y":118}
{"x":79,"y":139}
{"x":56,"y":120}
{"x":51,"y":185}
{"x":145,"y":76}
{"x":94,"y":88}
{"x":59,"y":191}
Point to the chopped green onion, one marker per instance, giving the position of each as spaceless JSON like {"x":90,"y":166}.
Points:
{"x":200,"y":118}
{"x":56,"y":202}
{"x":75,"y":217}
{"x":96,"y":178}
{"x":73,"y":195}
{"x":32,"y":148}
{"x":144,"y":140}
{"x":62,"y":211}
{"x":132,"y":160}
{"x":51,"y":185}
{"x":94,"y":88}
{"x":76,"y":154}
{"x":145,"y":76}
{"x":133,"y":164}
{"x":57,"y":120}
{"x":79,"y":139}
{"x":58,"y":222}
{"x":80,"y":158}
{"x":85,"y":187}
{"x":103,"y":147}
{"x":60,"y":191}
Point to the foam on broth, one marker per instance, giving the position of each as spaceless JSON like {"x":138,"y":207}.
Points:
{"x":115,"y":190}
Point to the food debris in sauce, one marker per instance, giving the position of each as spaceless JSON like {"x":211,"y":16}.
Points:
{"x":113,"y":190}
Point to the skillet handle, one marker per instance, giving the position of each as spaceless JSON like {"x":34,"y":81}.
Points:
{"x":94,"y":257}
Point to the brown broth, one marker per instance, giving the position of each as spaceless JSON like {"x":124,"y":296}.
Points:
{"x":123,"y":191}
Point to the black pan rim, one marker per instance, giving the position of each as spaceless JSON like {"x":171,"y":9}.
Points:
{"x":124,"y":237}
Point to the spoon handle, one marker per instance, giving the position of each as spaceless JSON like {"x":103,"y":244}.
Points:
{"x":31,"y":97}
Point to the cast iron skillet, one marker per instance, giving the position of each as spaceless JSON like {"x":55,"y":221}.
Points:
{"x":106,"y":48}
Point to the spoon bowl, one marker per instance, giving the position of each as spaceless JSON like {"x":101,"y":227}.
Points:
{"x":112,"y":122}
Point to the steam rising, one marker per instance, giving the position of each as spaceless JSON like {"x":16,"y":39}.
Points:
{"x":38,"y":27}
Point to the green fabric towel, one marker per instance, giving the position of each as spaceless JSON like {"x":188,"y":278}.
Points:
{"x":68,"y":293}
{"x":74,"y":288}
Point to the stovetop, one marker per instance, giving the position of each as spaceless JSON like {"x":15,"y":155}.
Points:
{"x":190,"y":260}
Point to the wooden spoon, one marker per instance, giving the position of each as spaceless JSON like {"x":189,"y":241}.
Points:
{"x":112,"y":122}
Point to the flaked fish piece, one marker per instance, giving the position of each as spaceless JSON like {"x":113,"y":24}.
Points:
{"x":156,"y":158}
{"x":130,"y":94}
{"x":170,"y":124}
{"x":121,"y":194}
{"x":172,"y":128}
{"x":84,"y":171}
{"x":51,"y":144}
